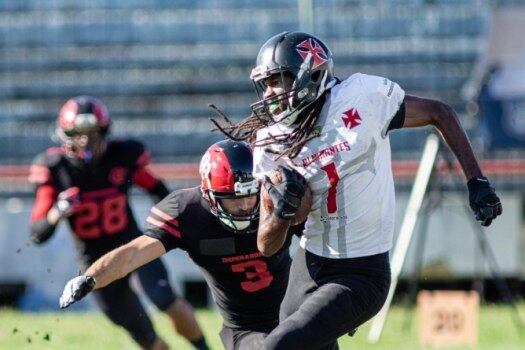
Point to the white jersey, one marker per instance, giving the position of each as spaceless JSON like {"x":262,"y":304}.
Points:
{"x":348,"y":169}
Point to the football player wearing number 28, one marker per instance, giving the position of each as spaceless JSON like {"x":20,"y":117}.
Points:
{"x":87,"y":181}
{"x":335,"y":135}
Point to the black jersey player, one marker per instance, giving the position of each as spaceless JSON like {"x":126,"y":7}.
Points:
{"x":87,"y":181}
{"x":216,"y":225}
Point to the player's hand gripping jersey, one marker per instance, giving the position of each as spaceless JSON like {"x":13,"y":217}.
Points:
{"x":102,"y":219}
{"x":247,"y":287}
{"x":348,"y":168}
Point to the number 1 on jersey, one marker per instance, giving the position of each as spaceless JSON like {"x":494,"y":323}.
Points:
{"x":333,"y":178}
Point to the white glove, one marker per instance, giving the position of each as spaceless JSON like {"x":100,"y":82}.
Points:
{"x":68,"y":202}
{"x":76,"y":289}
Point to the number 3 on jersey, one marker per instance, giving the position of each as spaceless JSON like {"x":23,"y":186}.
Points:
{"x":333,"y":178}
{"x":257,"y":275}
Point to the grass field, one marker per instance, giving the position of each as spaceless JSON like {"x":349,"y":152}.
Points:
{"x":67,"y":330}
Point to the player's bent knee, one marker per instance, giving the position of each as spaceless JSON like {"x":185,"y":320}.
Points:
{"x":163,"y":301}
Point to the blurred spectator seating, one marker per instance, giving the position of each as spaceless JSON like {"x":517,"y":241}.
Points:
{"x":158,"y":64}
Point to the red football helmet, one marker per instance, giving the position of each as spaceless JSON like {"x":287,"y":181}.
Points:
{"x":82,"y":125}
{"x":226,"y":171}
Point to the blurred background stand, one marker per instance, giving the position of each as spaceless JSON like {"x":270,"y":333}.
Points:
{"x":427,"y":196}
{"x":496,"y":88}
{"x":433,"y":202}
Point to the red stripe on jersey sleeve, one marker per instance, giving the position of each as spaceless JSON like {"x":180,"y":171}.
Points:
{"x":45,"y":197}
{"x":144,"y":178}
{"x":39,"y":174}
{"x":143,"y":160}
{"x":164,"y":215}
{"x":164,"y":226}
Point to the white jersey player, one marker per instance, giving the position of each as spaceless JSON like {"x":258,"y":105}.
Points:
{"x":334,"y":135}
{"x":347,"y":167}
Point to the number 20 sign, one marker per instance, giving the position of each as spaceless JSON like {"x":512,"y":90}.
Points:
{"x":448,"y":317}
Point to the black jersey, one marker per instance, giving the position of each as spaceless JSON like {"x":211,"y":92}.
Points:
{"x":104,"y":219}
{"x":247,"y":286}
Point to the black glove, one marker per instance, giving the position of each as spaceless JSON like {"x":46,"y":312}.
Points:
{"x":76,"y":289}
{"x":41,"y":231}
{"x":483,"y":200}
{"x":286,"y":196}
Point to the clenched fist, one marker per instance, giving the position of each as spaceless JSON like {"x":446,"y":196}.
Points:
{"x":76,"y":289}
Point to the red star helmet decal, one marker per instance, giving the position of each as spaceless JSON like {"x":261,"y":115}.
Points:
{"x":311,"y":46}
{"x":351,"y":118}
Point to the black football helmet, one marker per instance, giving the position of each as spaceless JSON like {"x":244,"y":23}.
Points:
{"x":226,"y":171}
{"x":309,"y":62}
{"x":82,"y":116}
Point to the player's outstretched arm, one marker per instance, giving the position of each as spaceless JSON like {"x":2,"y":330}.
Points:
{"x":482,"y":197}
{"x":422,"y":112}
{"x":112,"y":266}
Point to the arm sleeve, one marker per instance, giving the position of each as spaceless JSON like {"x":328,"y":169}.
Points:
{"x":162,"y":223}
{"x":399,"y":119}
{"x":145,"y":179}
{"x":384,"y":98}
{"x":41,"y":230}
{"x":45,"y":197}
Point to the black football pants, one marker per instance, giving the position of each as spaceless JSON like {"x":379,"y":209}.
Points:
{"x":328,"y":298}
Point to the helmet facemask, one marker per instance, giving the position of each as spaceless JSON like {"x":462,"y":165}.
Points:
{"x":238,"y":223}
{"x":309,"y":82}
{"x":82,"y":126}
{"x":85,"y":143}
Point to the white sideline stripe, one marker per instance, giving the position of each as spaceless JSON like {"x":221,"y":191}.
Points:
{"x":407,"y":229}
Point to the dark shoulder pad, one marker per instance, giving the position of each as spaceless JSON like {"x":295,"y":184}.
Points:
{"x":177,"y":202}
{"x":131,"y":150}
{"x":50,"y":157}
{"x":168,"y":205}
{"x":42,"y":165}
{"x":189,"y":199}
{"x":163,"y":217}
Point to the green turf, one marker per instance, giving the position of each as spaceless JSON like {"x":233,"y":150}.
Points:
{"x":71,"y":330}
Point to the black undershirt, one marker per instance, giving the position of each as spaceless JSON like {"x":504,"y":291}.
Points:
{"x":399,"y":119}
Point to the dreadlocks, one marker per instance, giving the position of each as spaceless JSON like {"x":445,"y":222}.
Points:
{"x":246,"y":129}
